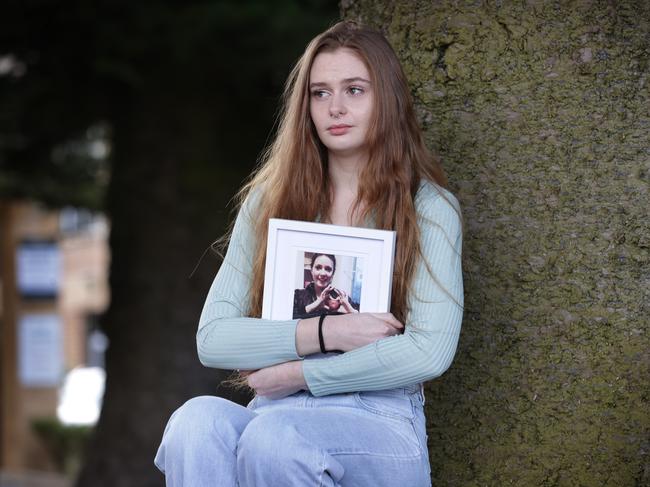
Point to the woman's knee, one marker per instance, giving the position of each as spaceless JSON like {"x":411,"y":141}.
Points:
{"x":201,"y":436}
{"x":199,"y":409}
{"x":206,"y":417}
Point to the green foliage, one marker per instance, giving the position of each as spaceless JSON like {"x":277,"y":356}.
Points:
{"x":65,"y":443}
{"x":540,"y":112}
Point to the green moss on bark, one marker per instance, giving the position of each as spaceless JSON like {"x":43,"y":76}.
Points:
{"x":540,"y":111}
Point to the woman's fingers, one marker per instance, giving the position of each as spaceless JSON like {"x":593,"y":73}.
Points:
{"x":278,"y":380}
{"x":326,"y":291}
{"x":389,"y":319}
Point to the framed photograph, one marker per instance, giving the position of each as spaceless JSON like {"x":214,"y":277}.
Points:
{"x":316,"y":268}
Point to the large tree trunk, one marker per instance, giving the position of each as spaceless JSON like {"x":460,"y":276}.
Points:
{"x":540,"y":111}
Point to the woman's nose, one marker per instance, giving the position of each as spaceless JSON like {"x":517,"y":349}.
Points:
{"x":337,"y":107}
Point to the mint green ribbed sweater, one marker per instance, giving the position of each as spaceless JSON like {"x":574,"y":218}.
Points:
{"x":226,"y":339}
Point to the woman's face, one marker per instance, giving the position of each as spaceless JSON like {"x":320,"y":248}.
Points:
{"x":322,"y":270}
{"x":341,"y":101}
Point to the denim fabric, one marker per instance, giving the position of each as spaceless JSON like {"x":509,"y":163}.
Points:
{"x":356,"y":439}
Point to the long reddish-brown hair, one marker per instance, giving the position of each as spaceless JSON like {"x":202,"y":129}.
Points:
{"x":292,"y":178}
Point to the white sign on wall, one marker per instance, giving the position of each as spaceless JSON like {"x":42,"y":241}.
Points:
{"x":40,"y":350}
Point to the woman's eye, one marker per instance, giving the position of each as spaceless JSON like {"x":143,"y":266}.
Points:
{"x":355,"y":90}
{"x":319,"y":93}
{"x":328,"y":269}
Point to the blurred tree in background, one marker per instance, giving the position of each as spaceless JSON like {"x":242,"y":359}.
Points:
{"x":156,"y":112}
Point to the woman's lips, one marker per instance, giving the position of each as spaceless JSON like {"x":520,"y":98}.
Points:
{"x":338,"y":129}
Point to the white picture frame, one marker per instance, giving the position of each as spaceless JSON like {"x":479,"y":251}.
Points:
{"x":364,"y":271}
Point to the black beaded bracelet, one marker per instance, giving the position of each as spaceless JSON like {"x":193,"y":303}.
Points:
{"x":320,"y":333}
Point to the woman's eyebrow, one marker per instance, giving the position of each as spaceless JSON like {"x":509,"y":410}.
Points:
{"x":356,"y":79}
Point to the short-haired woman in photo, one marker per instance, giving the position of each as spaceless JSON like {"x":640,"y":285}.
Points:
{"x":320,"y":296}
{"x":349,"y":151}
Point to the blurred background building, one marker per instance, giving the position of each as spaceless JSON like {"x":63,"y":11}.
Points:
{"x":53,"y":274}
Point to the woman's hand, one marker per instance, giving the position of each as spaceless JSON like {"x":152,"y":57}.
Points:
{"x":354,"y":330}
{"x":346,"y":307}
{"x":278,"y":380}
{"x":320,"y":301}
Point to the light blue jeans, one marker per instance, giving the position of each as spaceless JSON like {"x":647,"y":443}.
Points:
{"x":356,"y":439}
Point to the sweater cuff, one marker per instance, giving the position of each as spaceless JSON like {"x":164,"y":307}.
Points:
{"x":310,"y":371}
{"x":291,"y":339}
{"x":318,"y":378}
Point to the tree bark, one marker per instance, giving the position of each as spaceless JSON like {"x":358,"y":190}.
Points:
{"x":540,"y":113}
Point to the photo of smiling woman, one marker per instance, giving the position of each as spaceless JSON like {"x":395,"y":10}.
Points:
{"x":320,"y":296}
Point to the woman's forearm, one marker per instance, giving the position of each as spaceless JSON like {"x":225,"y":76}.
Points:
{"x":345,"y":332}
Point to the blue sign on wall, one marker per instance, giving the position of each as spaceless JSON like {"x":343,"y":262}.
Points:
{"x":40,"y":350}
{"x":38,"y":269}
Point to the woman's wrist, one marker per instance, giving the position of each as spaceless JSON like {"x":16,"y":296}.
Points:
{"x":307,"y":339}
{"x":313,"y":305}
{"x":307,"y":336}
{"x":329,"y":331}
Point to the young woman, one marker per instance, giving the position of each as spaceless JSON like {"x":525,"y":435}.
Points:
{"x":319,"y":296}
{"x":348,"y":151}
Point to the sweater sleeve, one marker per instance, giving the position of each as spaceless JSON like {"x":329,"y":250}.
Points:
{"x":427,"y":347}
{"x":225,"y":338}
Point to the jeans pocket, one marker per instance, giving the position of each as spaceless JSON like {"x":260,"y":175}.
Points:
{"x":393,"y":404}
